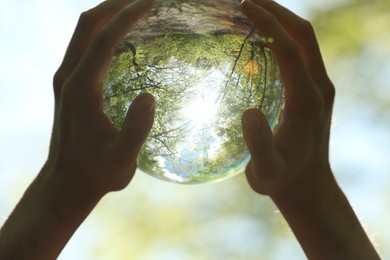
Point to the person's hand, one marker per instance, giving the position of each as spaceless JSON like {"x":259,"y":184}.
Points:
{"x":85,"y":146}
{"x":298,"y":150}
{"x":292,"y":164}
{"x":88,"y":157}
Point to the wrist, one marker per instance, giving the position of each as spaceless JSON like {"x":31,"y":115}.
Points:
{"x":322,"y":219}
{"x":62,"y":205}
{"x":72,"y":181}
{"x":44,"y":220}
{"x":313,"y":188}
{"x":63,"y":188}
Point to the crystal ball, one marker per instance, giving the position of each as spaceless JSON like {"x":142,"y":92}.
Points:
{"x":205,"y":64}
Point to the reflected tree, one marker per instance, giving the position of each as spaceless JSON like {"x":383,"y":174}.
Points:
{"x":179,"y":68}
{"x":219,"y":62}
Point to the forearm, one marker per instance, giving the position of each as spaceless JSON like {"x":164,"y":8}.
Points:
{"x":323,"y":221}
{"x":44,"y":220}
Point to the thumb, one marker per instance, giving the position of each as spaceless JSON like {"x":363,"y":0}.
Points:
{"x":135,"y":128}
{"x":265,"y":164}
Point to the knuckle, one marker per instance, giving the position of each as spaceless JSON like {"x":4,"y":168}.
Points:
{"x":57,"y":79}
{"x":305,"y":30}
{"x":329,"y":93}
{"x":57,"y":83}
{"x":85,"y":17}
{"x":86,"y":21}
{"x":306,"y":27}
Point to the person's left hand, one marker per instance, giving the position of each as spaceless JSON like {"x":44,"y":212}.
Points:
{"x":85,"y":147}
{"x":88,"y":157}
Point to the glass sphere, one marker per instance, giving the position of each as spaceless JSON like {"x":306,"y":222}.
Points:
{"x":205,"y":64}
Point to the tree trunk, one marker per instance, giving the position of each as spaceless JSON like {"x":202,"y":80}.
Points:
{"x":212,"y":17}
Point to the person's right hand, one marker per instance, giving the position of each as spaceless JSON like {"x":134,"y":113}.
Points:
{"x":292,"y":165}
{"x":298,"y":151}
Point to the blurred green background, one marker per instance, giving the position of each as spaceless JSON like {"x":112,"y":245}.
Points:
{"x":155,"y":220}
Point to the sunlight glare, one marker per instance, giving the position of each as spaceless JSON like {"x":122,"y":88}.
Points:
{"x":202,"y":111}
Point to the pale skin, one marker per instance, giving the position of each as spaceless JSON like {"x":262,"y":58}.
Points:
{"x":89,"y":158}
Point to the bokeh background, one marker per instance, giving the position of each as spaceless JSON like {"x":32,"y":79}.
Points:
{"x":151,"y":219}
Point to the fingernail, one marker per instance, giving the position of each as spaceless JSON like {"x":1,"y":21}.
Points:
{"x":255,"y":4}
{"x":247,"y":2}
{"x":257,"y":1}
{"x":250,"y":7}
{"x":252,"y":121}
{"x":145,"y":103}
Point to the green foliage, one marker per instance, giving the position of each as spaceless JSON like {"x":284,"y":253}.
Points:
{"x":171,"y":67}
{"x":355,"y":42}
{"x":350,"y":27}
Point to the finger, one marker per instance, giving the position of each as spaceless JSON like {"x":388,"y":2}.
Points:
{"x":135,"y":128}
{"x":303,"y":33}
{"x":301,"y":95}
{"x":265,"y":162}
{"x":97,"y":58}
{"x":252,"y":179}
{"x":89,"y":23}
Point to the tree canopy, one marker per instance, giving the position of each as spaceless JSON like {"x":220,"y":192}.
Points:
{"x":225,"y":72}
